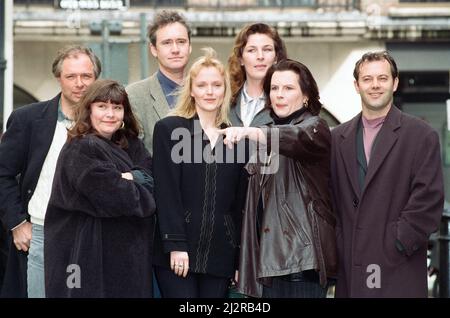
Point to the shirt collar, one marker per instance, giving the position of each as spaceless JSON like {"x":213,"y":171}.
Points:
{"x":61,"y":116}
{"x":247,"y":98}
{"x":167,"y":82}
{"x":372,"y":123}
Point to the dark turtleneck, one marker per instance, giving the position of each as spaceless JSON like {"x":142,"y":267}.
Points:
{"x":286,"y":120}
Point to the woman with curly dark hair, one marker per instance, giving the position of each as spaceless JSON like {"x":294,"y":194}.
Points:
{"x":99,"y":222}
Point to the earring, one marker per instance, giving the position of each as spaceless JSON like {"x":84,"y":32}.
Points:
{"x":123,"y":125}
{"x":305,"y":104}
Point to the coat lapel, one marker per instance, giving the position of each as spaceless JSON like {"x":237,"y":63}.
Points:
{"x":42,"y":132}
{"x":386,"y":139}
{"x":348,"y":153}
{"x":235,"y":112}
{"x":159,"y":99}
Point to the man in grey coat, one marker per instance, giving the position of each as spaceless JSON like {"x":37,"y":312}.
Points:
{"x":388,"y":190}
{"x":153,"y":97}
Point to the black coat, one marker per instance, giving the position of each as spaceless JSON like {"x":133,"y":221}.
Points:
{"x":23,"y":148}
{"x":99,"y":221}
{"x":199,"y":204}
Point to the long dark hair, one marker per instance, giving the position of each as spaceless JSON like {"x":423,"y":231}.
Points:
{"x":104,"y":91}
{"x":236,"y":70}
{"x":306,"y":80}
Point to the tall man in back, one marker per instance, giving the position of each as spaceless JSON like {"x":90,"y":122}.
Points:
{"x":388,"y":189}
{"x":153,"y":97}
{"x":29,"y":150}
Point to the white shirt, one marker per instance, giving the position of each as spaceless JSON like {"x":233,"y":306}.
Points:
{"x":39,"y":201}
{"x":250,"y":106}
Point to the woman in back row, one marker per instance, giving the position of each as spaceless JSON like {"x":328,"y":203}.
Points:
{"x":256,"y":48}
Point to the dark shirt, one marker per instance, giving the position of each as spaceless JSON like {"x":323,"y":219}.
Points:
{"x":169,"y":87}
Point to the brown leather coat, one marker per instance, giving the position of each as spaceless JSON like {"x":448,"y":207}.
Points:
{"x":297,"y":230}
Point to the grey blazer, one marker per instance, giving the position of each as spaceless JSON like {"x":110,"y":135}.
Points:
{"x":149,"y":105}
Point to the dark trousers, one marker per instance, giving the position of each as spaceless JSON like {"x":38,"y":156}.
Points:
{"x":4,"y":248}
{"x":300,"y":285}
{"x":192,"y":286}
{"x":15,"y":279}
{"x":156,"y":291}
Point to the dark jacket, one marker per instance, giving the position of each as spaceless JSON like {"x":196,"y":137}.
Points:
{"x":99,"y":221}
{"x":23,"y":148}
{"x":261,"y":118}
{"x":297,"y":230}
{"x":401,"y":200}
{"x":199,"y":203}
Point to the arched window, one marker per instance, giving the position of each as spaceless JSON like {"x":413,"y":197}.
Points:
{"x":22,"y":97}
{"x":331,"y":120}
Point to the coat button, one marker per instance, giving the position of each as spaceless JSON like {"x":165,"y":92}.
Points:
{"x":355,"y":203}
{"x":29,"y":191}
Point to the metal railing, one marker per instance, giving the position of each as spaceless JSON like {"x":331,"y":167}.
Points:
{"x":422,"y":1}
{"x":224,"y":4}
{"x":2,"y":62}
{"x":251,"y":4}
{"x":444,"y":239}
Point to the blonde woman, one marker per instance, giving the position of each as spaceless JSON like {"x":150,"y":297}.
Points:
{"x":197,"y":188}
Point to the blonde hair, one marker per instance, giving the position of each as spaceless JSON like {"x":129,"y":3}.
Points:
{"x":185,"y":106}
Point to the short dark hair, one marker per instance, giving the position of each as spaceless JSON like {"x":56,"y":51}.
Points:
{"x":104,"y":91}
{"x":74,"y":51}
{"x":376,"y":56}
{"x":162,"y":19}
{"x":306,"y":80}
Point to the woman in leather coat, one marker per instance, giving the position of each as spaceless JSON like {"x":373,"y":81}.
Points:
{"x":288,"y":246}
